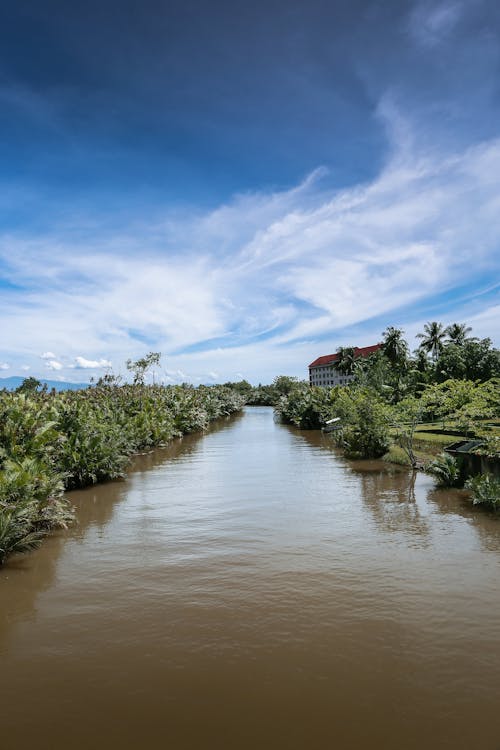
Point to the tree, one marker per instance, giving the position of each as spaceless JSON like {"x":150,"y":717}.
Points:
{"x":108,"y":380}
{"x":142,"y":366}
{"x":408,"y":415}
{"x":482,"y":361}
{"x":373,"y":372}
{"x":365,"y":423}
{"x":394,"y":346}
{"x":283,"y":384}
{"x":346,"y":362}
{"x":451,"y":363}
{"x":29,"y":386}
{"x":457,"y":333}
{"x":432,"y":338}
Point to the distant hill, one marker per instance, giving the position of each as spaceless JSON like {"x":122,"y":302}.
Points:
{"x":14,"y":382}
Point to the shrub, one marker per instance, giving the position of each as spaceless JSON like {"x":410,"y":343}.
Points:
{"x":53,"y":442}
{"x":445,"y":470}
{"x":16,"y":529}
{"x":485,"y":490}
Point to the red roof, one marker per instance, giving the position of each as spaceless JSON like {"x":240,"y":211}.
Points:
{"x":329,"y":359}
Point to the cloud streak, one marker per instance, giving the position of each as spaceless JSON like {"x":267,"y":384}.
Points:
{"x":430,"y":23}
{"x":277,"y":271}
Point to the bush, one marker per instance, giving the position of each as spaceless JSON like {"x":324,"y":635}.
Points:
{"x":368,"y":434}
{"x":53,"y":442}
{"x":485,"y":490}
{"x":304,"y":406}
{"x":445,"y":470}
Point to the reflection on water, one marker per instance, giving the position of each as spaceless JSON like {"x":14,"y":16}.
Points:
{"x":252,"y":588}
{"x":390,"y":497}
{"x":26,"y":576}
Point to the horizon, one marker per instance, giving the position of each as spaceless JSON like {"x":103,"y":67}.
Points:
{"x":243,"y":189}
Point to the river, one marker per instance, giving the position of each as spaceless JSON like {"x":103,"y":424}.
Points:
{"x":250,"y":588}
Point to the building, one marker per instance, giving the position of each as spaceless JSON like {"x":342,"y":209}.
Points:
{"x":322,"y":371}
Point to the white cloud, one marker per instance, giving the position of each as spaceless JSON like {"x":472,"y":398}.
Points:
{"x":4,"y":366}
{"x":53,"y":364}
{"x":91,"y":364}
{"x":266,"y":282}
{"x":25,"y":368}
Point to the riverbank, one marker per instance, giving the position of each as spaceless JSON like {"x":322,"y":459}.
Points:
{"x":51,"y":443}
{"x":369,"y":425}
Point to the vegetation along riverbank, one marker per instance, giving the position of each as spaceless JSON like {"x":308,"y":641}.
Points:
{"x":51,"y":442}
{"x":408,"y":408}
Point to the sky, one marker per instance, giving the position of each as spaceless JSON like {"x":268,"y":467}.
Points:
{"x":243,"y":187}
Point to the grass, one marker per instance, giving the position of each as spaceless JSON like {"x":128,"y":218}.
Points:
{"x":396,"y":455}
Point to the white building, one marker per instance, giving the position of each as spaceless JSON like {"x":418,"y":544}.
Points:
{"x":322,"y":371}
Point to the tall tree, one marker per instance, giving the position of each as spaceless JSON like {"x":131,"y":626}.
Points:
{"x":346,"y":362}
{"x":458,"y":333}
{"x":432,"y":338}
{"x":142,"y":366}
{"x":394,"y":346}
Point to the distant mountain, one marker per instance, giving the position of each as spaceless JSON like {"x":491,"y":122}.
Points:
{"x":14,"y":382}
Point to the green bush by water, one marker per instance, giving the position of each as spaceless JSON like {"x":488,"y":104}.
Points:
{"x":485,"y":489}
{"x":53,"y":442}
{"x":445,"y":470}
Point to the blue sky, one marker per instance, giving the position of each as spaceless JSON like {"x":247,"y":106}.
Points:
{"x":243,"y":187}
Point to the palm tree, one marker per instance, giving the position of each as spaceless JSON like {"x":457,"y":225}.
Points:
{"x":457,"y":333}
{"x":345,"y":362}
{"x":432,"y":338}
{"x":394,"y":346}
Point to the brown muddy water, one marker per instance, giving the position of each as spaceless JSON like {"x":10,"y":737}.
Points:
{"x":252,"y":589}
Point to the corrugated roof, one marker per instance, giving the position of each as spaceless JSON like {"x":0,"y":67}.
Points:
{"x":329,"y":359}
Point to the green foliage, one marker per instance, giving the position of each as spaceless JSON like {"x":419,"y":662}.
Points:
{"x":29,"y":385}
{"x":445,"y":470}
{"x":366,"y":435}
{"x":304,"y":406}
{"x":461,"y":402}
{"x":470,"y":359}
{"x":262,"y":395}
{"x":485,"y":490}
{"x":407,"y":416}
{"x":16,"y":529}
{"x":395,"y":347}
{"x":490,"y":446}
{"x":142,"y":366}
{"x":53,"y":442}
{"x":283,"y":385}
{"x":363,"y":416}
{"x":243,"y":387}
{"x":457,"y":333}
{"x":396,"y":455}
{"x":265,"y":395}
{"x":432,"y":338}
{"x":346,"y":362}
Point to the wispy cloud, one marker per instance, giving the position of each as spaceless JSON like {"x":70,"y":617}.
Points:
{"x":431,"y":22}
{"x":259,"y":284}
